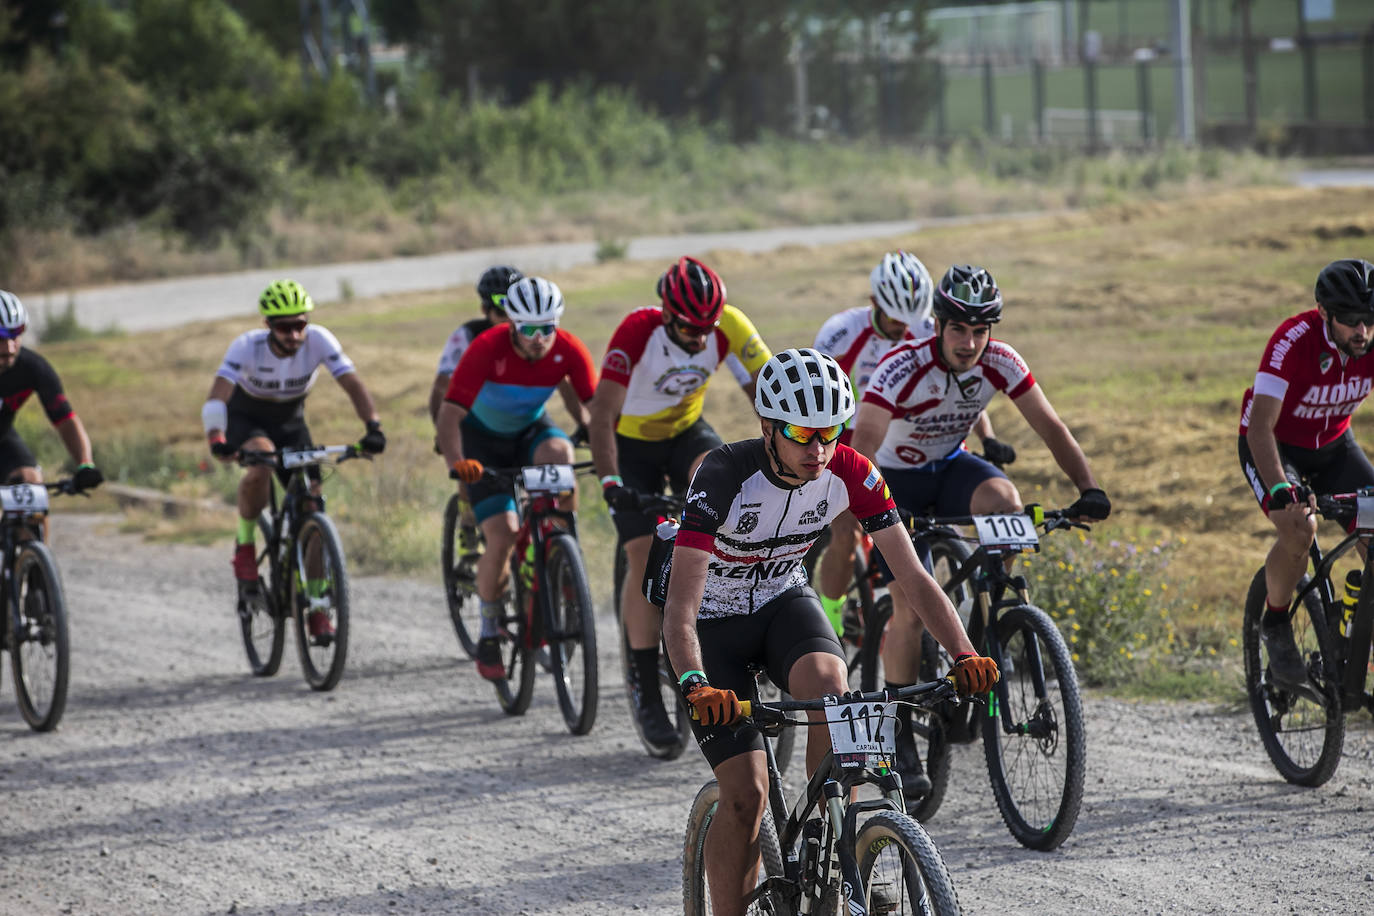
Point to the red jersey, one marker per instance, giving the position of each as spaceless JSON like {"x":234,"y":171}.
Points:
{"x":1320,"y":386}
{"x":504,"y":392}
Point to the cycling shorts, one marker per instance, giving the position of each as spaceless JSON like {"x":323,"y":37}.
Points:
{"x":283,"y":431}
{"x":14,"y":454}
{"x":775,"y":636}
{"x":492,"y":497}
{"x":647,"y":467}
{"x":1340,"y":466}
{"x":943,"y":487}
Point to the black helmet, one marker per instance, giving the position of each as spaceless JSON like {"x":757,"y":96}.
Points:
{"x":494,"y":283}
{"x":1346,"y":286}
{"x":968,"y":294}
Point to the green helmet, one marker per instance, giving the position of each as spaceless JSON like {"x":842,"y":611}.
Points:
{"x":284,"y":297}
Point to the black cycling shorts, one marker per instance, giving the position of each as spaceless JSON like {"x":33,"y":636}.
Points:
{"x":284,"y":432}
{"x":646,"y":467}
{"x":14,"y":454}
{"x":492,"y":497}
{"x":1337,"y":467}
{"x":775,"y":636}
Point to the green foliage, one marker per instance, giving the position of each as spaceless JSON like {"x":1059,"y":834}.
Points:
{"x":1114,"y":604}
{"x":66,"y":326}
{"x":611,"y":250}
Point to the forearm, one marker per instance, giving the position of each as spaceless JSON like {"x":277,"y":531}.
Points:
{"x":685,"y":589}
{"x":362,"y":398}
{"x":1071,"y":460}
{"x":983,"y":427}
{"x":449,"y":433}
{"x":1264,"y":448}
{"x":436,"y":396}
{"x":74,"y":437}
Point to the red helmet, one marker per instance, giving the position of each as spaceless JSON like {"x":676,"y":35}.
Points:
{"x":692,"y":293}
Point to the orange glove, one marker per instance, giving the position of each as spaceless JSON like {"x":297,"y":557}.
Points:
{"x":468,"y":470}
{"x":974,"y":674}
{"x":714,"y":706}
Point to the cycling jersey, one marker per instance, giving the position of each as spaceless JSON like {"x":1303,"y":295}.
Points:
{"x":458,"y":342}
{"x":1320,"y":386}
{"x":932,"y":408}
{"x":856,"y":345}
{"x":758,"y":528}
{"x":664,"y":384}
{"x":504,"y":392}
{"x":31,"y":373}
{"x":261,"y":374}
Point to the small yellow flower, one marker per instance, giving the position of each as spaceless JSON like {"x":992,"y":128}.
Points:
{"x":1114,"y":572}
{"x":1147,"y":593}
{"x":1211,"y":651}
{"x":1075,"y":656}
{"x":1233,"y":642}
{"x":1075,"y":625}
{"x":1069,"y":612}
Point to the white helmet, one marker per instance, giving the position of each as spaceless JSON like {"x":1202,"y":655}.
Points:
{"x":902,"y":287}
{"x":534,"y":300}
{"x":13,"y":315}
{"x":805,"y":387}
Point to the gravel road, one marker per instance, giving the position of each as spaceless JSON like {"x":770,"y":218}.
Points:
{"x":179,"y":784}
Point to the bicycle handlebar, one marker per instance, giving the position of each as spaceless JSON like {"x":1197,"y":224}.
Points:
{"x":1049,"y":519}
{"x":513,"y":474}
{"x":930,"y":693}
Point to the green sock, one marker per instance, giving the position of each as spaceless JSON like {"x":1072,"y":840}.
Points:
{"x":247,"y":526}
{"x":316,"y":588}
{"x":834,"y":610}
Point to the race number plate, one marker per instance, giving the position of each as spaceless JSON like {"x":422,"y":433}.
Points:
{"x":1015,"y":532}
{"x":299,"y":458}
{"x":548,"y":478}
{"x":862,"y":734}
{"x":24,"y":497}
{"x":1364,"y":514}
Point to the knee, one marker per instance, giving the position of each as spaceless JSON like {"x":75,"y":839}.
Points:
{"x":745,"y":799}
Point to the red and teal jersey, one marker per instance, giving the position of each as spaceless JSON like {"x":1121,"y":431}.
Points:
{"x":504,"y":392}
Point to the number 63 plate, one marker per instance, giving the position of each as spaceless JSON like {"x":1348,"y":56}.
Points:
{"x":862,"y":734}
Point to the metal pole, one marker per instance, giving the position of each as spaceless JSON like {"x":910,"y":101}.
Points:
{"x":1142,"y":74}
{"x":989,"y":100}
{"x":1038,"y":97}
{"x":1183,"y":72}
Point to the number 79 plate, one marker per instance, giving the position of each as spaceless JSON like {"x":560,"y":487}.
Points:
{"x":548,"y":478}
{"x":861,"y":733}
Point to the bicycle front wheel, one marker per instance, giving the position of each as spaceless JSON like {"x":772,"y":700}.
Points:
{"x":929,"y":728}
{"x":460,"y":576}
{"x":261,"y":623}
{"x":901,"y":870}
{"x":571,"y":633}
{"x":696,"y":891}
{"x":1302,"y":728}
{"x":947,"y":556}
{"x":1033,"y":732}
{"x":39,"y":648}
{"x":319,"y":599}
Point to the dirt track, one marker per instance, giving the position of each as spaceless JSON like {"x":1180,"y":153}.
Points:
{"x":179,"y":784}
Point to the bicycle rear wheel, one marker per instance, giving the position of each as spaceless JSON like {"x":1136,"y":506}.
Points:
{"x":928,"y":726}
{"x":261,"y":623}
{"x":38,"y":646}
{"x":516,"y":689}
{"x":571,"y":633}
{"x":696,"y":896}
{"x":319,"y":599}
{"x":1302,"y":729}
{"x":870,"y":652}
{"x":901,"y":869}
{"x":1033,"y":732}
{"x":460,"y":575}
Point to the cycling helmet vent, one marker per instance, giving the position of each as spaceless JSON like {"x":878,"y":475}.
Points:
{"x":494,"y":283}
{"x":804,"y":387}
{"x":13,"y":315}
{"x":534,"y":300}
{"x":902,"y":287}
{"x":692,"y":293}
{"x":1346,"y":286}
{"x":968,"y":294}
{"x":284,"y":298}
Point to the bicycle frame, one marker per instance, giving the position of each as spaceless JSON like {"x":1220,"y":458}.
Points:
{"x":1350,"y":667}
{"x":10,"y":525}
{"x":537,"y":516}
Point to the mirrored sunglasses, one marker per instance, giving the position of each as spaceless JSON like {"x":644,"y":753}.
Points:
{"x":12,"y":333}
{"x":692,"y":330}
{"x":802,"y":435}
{"x":288,"y":325}
{"x":537,"y":330}
{"x":497,"y":301}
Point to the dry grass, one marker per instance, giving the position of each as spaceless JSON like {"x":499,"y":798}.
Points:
{"x":1143,"y":322}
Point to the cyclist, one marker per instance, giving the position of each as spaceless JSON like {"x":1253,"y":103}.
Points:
{"x":920,"y":404}
{"x":493,"y":414}
{"x":647,"y":429}
{"x":1295,"y":434}
{"x":491,"y":291}
{"x":898,"y":310}
{"x":22,"y":373}
{"x":738,"y":591}
{"x":257,"y":403}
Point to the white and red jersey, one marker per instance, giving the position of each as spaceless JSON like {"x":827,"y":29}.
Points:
{"x":758,"y":528}
{"x":932,"y":408}
{"x":665,"y":385}
{"x":1320,"y":386}
{"x":850,"y":338}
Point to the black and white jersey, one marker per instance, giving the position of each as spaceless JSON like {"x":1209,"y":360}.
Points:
{"x":758,"y":528}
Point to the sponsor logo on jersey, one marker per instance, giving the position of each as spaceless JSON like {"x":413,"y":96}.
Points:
{"x":1324,"y":362}
{"x":233,"y":365}
{"x":1286,"y":343}
{"x":1335,"y":400}
{"x":751,"y":349}
{"x":765,"y":569}
{"x":698,"y":498}
{"x":816,"y":514}
{"x":680,"y":381}
{"x":969,"y":386}
{"x":833,"y":342}
{"x":748,"y":521}
{"x":911,"y":455}
{"x":617,"y":360}
{"x":874,"y":478}
{"x":500,"y":366}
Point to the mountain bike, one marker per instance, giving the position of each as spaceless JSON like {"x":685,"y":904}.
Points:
{"x":551,"y":604}
{"x":35,"y":631}
{"x":1302,"y":726}
{"x":1033,"y":733}
{"x":670,"y":508}
{"x":305,"y":579}
{"x":462,"y":547}
{"x":822,"y":859}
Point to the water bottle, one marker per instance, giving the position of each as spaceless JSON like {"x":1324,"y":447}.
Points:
{"x":1352,"y":598}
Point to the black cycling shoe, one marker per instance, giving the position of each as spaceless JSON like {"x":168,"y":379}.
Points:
{"x":1286,"y":663}
{"x":652,"y":720}
{"x":915,"y":783}
{"x":489,"y":662}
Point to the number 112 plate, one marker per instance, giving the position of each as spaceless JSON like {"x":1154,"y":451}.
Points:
{"x":862,"y":732}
